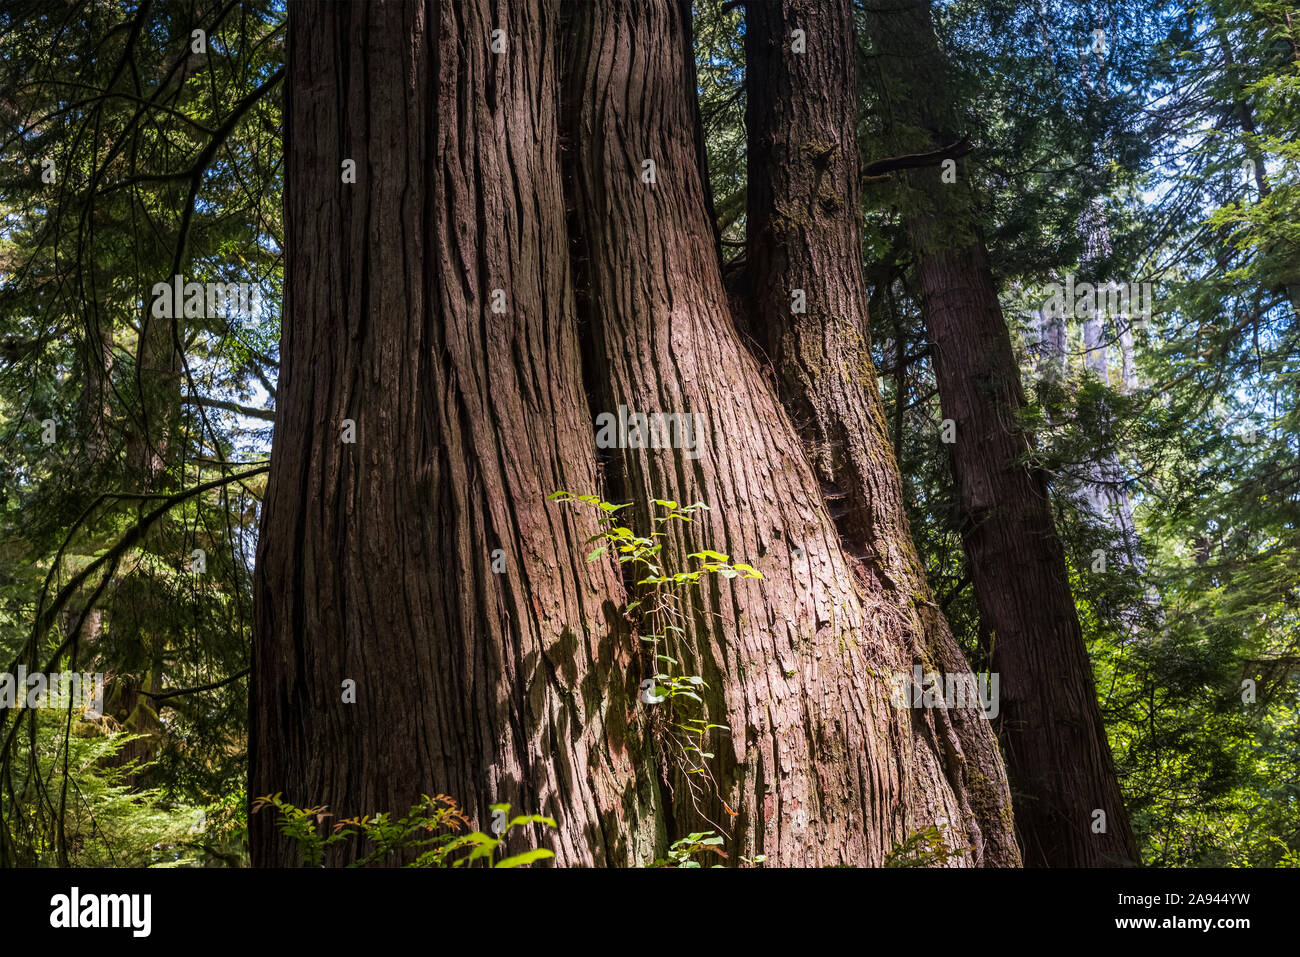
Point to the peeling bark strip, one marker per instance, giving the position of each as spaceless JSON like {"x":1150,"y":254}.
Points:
{"x":804,"y":234}
{"x":1057,"y":755}
{"x":819,"y":766}
{"x":375,"y":558}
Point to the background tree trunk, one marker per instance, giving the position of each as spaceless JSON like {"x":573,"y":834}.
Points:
{"x":375,"y":558}
{"x":1055,"y":744}
{"x":1101,"y":489}
{"x":804,"y":233}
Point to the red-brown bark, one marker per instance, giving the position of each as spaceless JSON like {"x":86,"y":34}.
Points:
{"x":819,"y":766}
{"x":805,"y":234}
{"x":375,"y":558}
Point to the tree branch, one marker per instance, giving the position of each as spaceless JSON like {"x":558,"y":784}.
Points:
{"x":177,"y":692}
{"x":879,"y":170}
{"x":267,"y":415}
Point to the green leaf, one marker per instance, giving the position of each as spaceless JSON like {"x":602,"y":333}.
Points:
{"x":709,"y":555}
{"x":531,"y":819}
{"x":484,"y":848}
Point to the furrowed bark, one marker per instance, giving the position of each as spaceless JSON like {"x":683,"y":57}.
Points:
{"x":819,"y":767}
{"x":375,"y":558}
{"x":1058,"y":759}
{"x":805,"y":234}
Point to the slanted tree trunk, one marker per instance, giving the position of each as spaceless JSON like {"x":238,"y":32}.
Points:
{"x":819,"y":768}
{"x":805,"y":240}
{"x":375,"y":561}
{"x":1050,"y":726}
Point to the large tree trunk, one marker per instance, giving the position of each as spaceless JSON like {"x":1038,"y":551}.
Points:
{"x":375,"y":558}
{"x":1050,"y":727}
{"x":819,"y":767}
{"x":804,"y":234}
